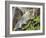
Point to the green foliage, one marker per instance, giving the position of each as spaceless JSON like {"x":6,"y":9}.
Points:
{"x":32,"y":24}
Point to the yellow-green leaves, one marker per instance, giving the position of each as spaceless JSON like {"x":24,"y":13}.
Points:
{"x":32,"y":24}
